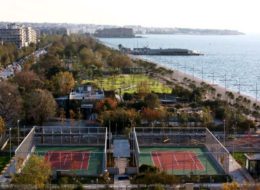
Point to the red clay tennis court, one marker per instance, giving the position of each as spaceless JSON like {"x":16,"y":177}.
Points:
{"x":176,"y":160}
{"x":68,"y":160}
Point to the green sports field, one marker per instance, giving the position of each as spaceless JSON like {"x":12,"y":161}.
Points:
{"x":180,"y":160}
{"x":130,"y":83}
{"x":92,"y":162}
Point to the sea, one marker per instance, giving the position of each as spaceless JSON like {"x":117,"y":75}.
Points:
{"x":229,"y":61}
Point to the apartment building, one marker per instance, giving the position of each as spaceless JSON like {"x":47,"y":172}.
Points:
{"x":21,"y":36}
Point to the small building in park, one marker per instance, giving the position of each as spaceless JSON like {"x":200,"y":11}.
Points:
{"x":253,"y":164}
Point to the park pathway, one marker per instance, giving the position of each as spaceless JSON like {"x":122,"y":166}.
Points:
{"x":239,"y":174}
{"x":121,"y":148}
{"x":121,"y":153}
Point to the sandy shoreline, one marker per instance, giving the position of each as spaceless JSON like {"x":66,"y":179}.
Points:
{"x":178,"y":77}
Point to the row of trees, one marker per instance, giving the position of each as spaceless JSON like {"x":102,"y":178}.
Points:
{"x":84,"y":53}
{"x":35,"y":105}
{"x":234,"y":110}
{"x":10,"y":53}
{"x":30,"y":93}
{"x":36,"y":172}
{"x":82,"y":56}
{"x":130,"y":114}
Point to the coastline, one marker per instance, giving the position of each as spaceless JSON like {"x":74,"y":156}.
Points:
{"x":178,"y":77}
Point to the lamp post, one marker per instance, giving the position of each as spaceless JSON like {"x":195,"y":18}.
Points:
{"x":234,"y":135}
{"x":18,"y":132}
{"x":10,"y":139}
{"x":224,"y":132}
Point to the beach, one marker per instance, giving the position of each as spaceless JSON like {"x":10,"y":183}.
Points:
{"x":179,"y":77}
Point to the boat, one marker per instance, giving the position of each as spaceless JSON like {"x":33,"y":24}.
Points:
{"x":163,"y":52}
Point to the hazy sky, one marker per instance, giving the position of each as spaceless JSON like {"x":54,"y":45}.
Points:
{"x":243,"y":15}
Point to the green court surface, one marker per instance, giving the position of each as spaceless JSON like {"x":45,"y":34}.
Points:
{"x":95,"y":157}
{"x":180,"y":160}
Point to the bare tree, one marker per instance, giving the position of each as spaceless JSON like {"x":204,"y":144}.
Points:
{"x":10,"y":102}
{"x":39,"y":106}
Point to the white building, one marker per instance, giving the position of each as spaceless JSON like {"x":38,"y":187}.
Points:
{"x":21,"y":36}
{"x":31,"y":35}
{"x":86,"y":93}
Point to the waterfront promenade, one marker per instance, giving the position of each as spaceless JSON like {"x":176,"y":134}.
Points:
{"x":179,"y":77}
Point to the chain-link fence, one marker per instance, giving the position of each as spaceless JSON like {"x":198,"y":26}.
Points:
{"x":219,"y":152}
{"x":212,"y":154}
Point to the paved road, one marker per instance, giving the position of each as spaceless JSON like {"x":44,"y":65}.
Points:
{"x":16,"y":66}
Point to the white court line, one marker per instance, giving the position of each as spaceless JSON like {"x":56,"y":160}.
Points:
{"x":82,"y":160}
{"x":89,"y":154}
{"x":173,"y":155}
{"x":159,"y":160}
{"x":194,"y":162}
{"x":49,"y":154}
{"x":151,"y":156}
{"x":65,"y":160}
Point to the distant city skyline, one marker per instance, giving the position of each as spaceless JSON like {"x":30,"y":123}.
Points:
{"x":239,"y":15}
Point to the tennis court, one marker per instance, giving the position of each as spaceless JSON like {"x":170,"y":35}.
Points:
{"x":180,"y":160}
{"x":79,"y":160}
{"x":68,"y":160}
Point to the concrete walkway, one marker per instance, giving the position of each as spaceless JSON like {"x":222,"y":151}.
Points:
{"x":239,"y":174}
{"x":121,"y":164}
{"x":121,"y":148}
{"x":121,"y":182}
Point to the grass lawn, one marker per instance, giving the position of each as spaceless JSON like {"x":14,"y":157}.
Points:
{"x":3,"y":161}
{"x":240,"y":158}
{"x":130,"y":83}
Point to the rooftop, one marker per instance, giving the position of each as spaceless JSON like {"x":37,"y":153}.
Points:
{"x":253,"y":156}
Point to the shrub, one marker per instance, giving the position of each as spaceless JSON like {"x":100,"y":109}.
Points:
{"x":148,"y":169}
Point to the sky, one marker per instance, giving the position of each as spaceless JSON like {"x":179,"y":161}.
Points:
{"x":242,"y":15}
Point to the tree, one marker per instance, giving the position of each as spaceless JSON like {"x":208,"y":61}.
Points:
{"x":62,"y":83}
{"x":2,"y":126}
{"x":10,"y":102}
{"x":70,"y":50}
{"x":118,"y":119}
{"x":128,"y":96}
{"x":57,"y":48}
{"x":28,"y":80}
{"x":36,"y":172}
{"x":207,"y":117}
{"x":197,"y":94}
{"x":104,"y":53}
{"x":89,"y":58}
{"x":106,"y":104}
{"x":62,"y":115}
{"x":119,"y":61}
{"x":72,"y":117}
{"x":143,"y":89}
{"x":8,"y":52}
{"x":231,"y":186}
{"x":152,"y":115}
{"x":46,"y":63}
{"x":152,"y":101}
{"x":39,"y":106}
{"x":148,"y":169}
{"x":28,"y":63}
{"x":132,"y":116}
{"x":183,"y":117}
